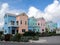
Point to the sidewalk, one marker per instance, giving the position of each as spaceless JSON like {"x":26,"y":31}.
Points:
{"x":39,"y":41}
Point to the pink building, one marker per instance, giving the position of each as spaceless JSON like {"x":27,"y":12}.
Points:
{"x":41,"y":23}
{"x":22,"y":20}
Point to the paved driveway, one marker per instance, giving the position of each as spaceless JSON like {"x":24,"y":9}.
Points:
{"x":52,"y":39}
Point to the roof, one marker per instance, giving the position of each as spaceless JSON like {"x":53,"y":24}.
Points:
{"x":33,"y":18}
{"x":22,"y":14}
{"x":40,"y":18}
{"x":10,"y":14}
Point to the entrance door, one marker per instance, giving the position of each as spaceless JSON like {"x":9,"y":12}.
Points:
{"x":17,"y":31}
{"x":13,"y":31}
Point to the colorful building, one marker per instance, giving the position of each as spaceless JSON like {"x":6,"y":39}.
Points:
{"x":10,"y":24}
{"x":32,"y":25}
{"x":15,"y":24}
{"x":41,"y":23}
{"x":51,"y":26}
{"x":22,"y":21}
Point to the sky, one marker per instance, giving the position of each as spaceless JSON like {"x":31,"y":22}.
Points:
{"x":49,"y":9}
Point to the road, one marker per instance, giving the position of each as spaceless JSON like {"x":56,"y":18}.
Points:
{"x":17,"y":43}
{"x":53,"y":40}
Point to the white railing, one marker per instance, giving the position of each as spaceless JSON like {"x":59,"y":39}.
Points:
{"x":15,"y":25}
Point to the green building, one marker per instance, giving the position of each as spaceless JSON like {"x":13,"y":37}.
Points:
{"x":32,"y":25}
{"x":51,"y":26}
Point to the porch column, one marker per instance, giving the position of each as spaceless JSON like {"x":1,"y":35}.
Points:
{"x":15,"y":31}
{"x":10,"y":30}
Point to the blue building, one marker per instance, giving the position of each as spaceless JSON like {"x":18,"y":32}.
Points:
{"x":10,"y":24}
{"x":32,"y":25}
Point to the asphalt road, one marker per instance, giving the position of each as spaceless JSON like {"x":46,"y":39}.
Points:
{"x":16,"y":43}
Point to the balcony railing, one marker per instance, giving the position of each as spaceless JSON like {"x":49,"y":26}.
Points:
{"x":14,"y":25}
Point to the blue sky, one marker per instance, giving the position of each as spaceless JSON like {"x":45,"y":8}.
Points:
{"x":49,"y":9}
{"x":25,"y":4}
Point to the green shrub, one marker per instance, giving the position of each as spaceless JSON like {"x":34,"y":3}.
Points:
{"x":35,"y":38}
{"x":1,"y":37}
{"x":29,"y":33}
{"x":16,"y":37}
{"x":7,"y":37}
{"x":24,"y":39}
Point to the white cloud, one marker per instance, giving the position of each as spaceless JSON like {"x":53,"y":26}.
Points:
{"x":51,"y":12}
{"x":4,"y":8}
{"x":15,"y":11}
{"x":52,"y":7}
{"x":38,"y":13}
{"x":34,"y":12}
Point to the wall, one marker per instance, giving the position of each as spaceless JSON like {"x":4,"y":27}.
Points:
{"x":51,"y":25}
{"x":24,"y":18}
{"x":7,"y":20}
{"x":32,"y":25}
{"x":41,"y":23}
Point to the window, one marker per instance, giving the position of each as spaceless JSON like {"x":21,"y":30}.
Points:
{"x":25,"y":22}
{"x":41,"y":24}
{"x":3,"y":28}
{"x":44,"y":25}
{"x":34,"y":30}
{"x":12,"y":22}
{"x":33,"y":23}
{"x":5,"y":31}
{"x":17,"y":22}
{"x":42,"y":29}
{"x":38,"y":29}
{"x":23,"y":30}
{"x":5,"y":22}
{"x":5,"y":16}
{"x":9,"y":28}
{"x":51,"y":30}
{"x":38,"y":24}
{"x":1,"y":32}
{"x":21,"y":22}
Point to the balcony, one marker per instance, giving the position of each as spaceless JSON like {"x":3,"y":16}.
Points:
{"x":13,"y":25}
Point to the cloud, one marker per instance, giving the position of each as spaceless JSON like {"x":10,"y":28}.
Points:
{"x":38,"y":13}
{"x":4,"y":8}
{"x":34,"y":12}
{"x":51,"y":12}
{"x":52,"y":7}
{"x":15,"y":11}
